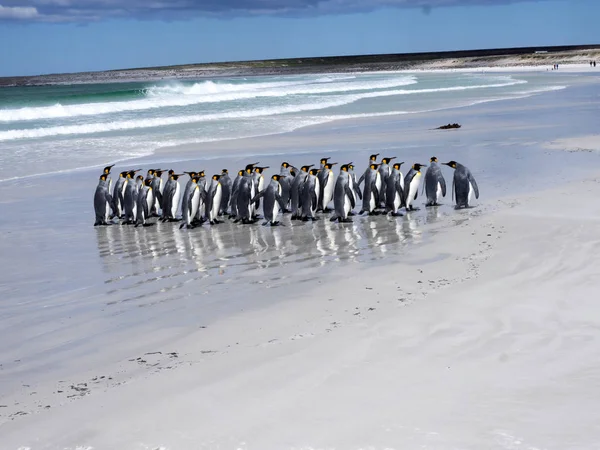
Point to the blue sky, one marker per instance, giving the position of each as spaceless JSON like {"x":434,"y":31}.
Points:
{"x":50,"y":36}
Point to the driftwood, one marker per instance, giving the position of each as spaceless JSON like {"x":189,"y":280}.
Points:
{"x":449,"y":126}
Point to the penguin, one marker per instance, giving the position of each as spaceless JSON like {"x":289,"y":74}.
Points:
{"x":343,"y":196}
{"x":145,"y":201}
{"x":326,"y":185}
{"x":395,"y":191}
{"x":310,"y":196}
{"x":214,"y":196}
{"x":371,"y":190}
{"x":285,"y":180}
{"x":464,"y":185}
{"x":272,"y":200}
{"x":296,"y":192}
{"x":157,"y":186}
{"x":435,"y":185}
{"x":190,"y":202}
{"x":130,"y":197}
{"x":372,"y":160}
{"x":234,"y":192}
{"x":149,"y":175}
{"x":323,"y":162}
{"x":355,"y":187}
{"x":171,"y":197}
{"x":102,"y":201}
{"x":259,"y":183}
{"x":244,"y":195}
{"x":226,"y":186}
{"x":384,"y":172}
{"x":411,"y":186}
{"x":119,"y":193}
{"x":202,"y":211}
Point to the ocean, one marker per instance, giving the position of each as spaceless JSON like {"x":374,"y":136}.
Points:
{"x":60,"y":128}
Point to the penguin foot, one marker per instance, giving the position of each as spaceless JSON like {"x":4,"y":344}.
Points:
{"x":148,"y":224}
{"x":346,"y":220}
{"x":397,"y":214}
{"x":334,"y":218}
{"x":275,"y":224}
{"x":351,"y":213}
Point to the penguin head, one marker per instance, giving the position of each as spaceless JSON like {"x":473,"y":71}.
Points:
{"x":330,"y":165}
{"x":324,"y":160}
{"x":387,"y":160}
{"x":158,"y":173}
{"x":175,"y":176}
{"x":192,"y":174}
{"x":224,"y":172}
{"x":171,"y":172}
{"x":216,"y":177}
{"x":285,"y":165}
{"x":195,"y":179}
{"x":103,"y":177}
{"x":260,"y":169}
{"x":314,"y":171}
{"x":240,"y":173}
{"x":344,"y":168}
{"x":276,"y":177}
{"x":451,"y":164}
{"x":201,"y":174}
{"x":140,"y":178}
{"x":373,"y":157}
{"x":250,"y":167}
{"x":433,"y":159}
{"x":150,"y":172}
{"x":350,"y":166}
{"x":148,"y":182}
{"x":374,"y":166}
{"x":306,"y":168}
{"x":418,"y":166}
{"x":123,"y":174}
{"x":107,"y":169}
{"x":397,"y":165}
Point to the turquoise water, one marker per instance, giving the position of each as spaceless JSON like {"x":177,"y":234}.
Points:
{"x":50,"y":129}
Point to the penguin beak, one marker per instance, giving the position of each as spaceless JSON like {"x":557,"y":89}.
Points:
{"x":393,"y":157}
{"x":446,"y":164}
{"x":333,"y":164}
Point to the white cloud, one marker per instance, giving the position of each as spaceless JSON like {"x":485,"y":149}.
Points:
{"x":18,"y":12}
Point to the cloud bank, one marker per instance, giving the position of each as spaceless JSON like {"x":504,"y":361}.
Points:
{"x":96,"y":10}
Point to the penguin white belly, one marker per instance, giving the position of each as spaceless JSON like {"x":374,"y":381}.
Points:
{"x":175,"y":203}
{"x":438,"y":193}
{"x":318,"y":193}
{"x":328,"y":190}
{"x":149,"y":199}
{"x":470,"y":196}
{"x":216,"y":204}
{"x":347,"y":207}
{"x":401,"y":180}
{"x":372,"y":202}
{"x":397,"y":202}
{"x":378,"y":182}
{"x":412,"y":190}
{"x":107,"y":212}
{"x":275,"y":211}
{"x":252,"y":206}
{"x":195,"y":205}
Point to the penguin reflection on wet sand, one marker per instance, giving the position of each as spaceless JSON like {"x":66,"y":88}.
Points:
{"x":464,"y":185}
{"x":435,"y":185}
{"x":412,"y":182}
{"x":272,"y":200}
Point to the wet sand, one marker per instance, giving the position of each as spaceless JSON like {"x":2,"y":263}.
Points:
{"x":442,"y":329}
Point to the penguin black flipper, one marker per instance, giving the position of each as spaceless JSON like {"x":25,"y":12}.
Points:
{"x":375,"y":192}
{"x":442,"y":182}
{"x":280,"y":201}
{"x":361,"y":179}
{"x":474,"y":184}
{"x":258,"y":196}
{"x":350,"y":195}
{"x":313,"y":199}
{"x":158,"y":196}
{"x":453,"y":193}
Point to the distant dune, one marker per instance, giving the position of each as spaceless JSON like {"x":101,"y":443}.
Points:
{"x":507,"y":57}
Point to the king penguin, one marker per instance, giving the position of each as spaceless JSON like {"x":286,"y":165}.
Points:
{"x":411,"y":186}
{"x":234,"y":192}
{"x":171,"y":197}
{"x":395,"y":191}
{"x":226,"y":186}
{"x":119,"y":194}
{"x":245,"y":193}
{"x":145,"y":201}
{"x":323,"y":161}
{"x":327,"y":185}
{"x":464,"y":185}
{"x":371,"y":189}
{"x":285,"y":180}
{"x":157,"y":187}
{"x":355,"y":188}
{"x":102,"y":201}
{"x":296,"y":192}
{"x":384,"y":172}
{"x":259,"y":183}
{"x":130,"y":197}
{"x":190,"y":202}
{"x":310,"y":196}
{"x":214,"y":196}
{"x":272,"y":200}
{"x":435,"y":185}
{"x":343,"y":196}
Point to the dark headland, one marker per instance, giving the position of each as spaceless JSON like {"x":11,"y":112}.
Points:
{"x":503,"y":57}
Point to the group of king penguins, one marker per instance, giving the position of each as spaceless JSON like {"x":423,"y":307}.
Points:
{"x":302,"y":192}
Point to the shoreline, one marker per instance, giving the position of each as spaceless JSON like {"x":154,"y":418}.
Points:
{"x":488,"y":60}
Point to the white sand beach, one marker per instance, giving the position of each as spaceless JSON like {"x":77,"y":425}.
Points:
{"x":443,"y":329}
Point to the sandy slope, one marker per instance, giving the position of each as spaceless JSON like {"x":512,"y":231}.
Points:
{"x":487,"y":337}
